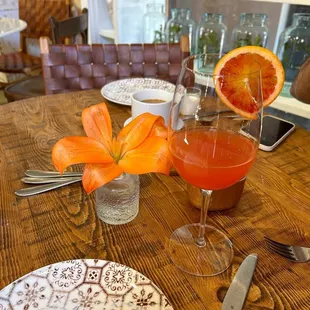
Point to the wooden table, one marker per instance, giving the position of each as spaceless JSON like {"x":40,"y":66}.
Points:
{"x":62,"y":224}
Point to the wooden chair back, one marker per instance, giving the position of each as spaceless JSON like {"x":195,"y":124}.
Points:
{"x":80,"y":67}
{"x":70,"y":28}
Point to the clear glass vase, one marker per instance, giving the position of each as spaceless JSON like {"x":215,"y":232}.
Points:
{"x":188,"y":28}
{"x":117,"y":202}
{"x":294,"y":48}
{"x":154,"y":23}
{"x":173,"y":27}
{"x":210,"y":34}
{"x":181,"y":25}
{"x":252,"y":30}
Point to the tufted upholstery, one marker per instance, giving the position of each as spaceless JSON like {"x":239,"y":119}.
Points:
{"x":79,"y":67}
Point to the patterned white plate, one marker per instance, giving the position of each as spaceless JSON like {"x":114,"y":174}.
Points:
{"x":120,"y":91}
{"x":84,"y":284}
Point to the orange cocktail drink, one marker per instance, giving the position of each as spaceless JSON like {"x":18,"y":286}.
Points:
{"x":211,"y":158}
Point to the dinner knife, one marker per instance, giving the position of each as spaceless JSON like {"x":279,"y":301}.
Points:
{"x":24,"y":192}
{"x":51,"y":174}
{"x":238,"y":290}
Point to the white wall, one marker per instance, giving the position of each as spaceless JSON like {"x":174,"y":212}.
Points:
{"x":98,"y":19}
{"x":84,"y":4}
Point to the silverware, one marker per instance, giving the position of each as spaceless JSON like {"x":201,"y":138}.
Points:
{"x":30,"y":180}
{"x":43,"y":188}
{"x":238,"y":290}
{"x":51,"y":174}
{"x":292,"y":252}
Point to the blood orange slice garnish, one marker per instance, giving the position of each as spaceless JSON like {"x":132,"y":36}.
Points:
{"x":237,"y":85}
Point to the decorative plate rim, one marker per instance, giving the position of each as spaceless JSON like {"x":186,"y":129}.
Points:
{"x":90,"y":275}
{"x":103,"y":89}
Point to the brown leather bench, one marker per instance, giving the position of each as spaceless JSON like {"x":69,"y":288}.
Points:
{"x":81,"y":67}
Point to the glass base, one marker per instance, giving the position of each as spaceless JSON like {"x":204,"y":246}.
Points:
{"x":209,"y":260}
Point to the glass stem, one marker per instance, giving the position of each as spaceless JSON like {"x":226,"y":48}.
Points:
{"x":206,"y":200}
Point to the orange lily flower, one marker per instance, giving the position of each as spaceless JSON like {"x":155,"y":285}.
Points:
{"x":140,"y":147}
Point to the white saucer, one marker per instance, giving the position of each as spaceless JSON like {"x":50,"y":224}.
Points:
{"x":120,"y":91}
{"x":128,"y":120}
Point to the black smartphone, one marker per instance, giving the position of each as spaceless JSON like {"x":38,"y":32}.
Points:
{"x":275,"y":130}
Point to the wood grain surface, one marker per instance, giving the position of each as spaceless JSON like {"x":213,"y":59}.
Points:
{"x":62,"y":224}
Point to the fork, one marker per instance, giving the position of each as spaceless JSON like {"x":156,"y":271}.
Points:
{"x":292,"y":252}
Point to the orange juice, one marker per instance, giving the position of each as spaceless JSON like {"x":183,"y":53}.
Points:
{"x":211,"y":158}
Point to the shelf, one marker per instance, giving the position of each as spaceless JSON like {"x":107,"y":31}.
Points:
{"x":107,"y":33}
{"x":292,"y":105}
{"x":296,"y":2}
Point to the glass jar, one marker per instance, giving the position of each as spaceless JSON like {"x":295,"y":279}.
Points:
{"x":117,"y":202}
{"x":188,"y":27}
{"x":154,"y":23}
{"x":210,"y":34}
{"x":173,"y":27}
{"x":252,"y":30}
{"x":294,"y":48}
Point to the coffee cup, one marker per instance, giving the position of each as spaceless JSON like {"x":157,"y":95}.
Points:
{"x":154,"y":101}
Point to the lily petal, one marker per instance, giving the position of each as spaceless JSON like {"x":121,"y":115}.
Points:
{"x":151,"y":156}
{"x":95,"y":176}
{"x":76,"y":150}
{"x":133,"y":134}
{"x":159,"y":131}
{"x":97,"y":123}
